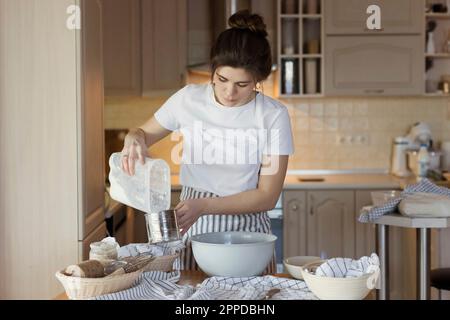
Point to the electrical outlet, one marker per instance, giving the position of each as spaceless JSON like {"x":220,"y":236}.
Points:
{"x":350,"y":140}
{"x":362,"y":139}
{"x":340,"y":139}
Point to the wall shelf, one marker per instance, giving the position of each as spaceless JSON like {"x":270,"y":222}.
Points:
{"x":437,"y":78}
{"x":300,"y":48}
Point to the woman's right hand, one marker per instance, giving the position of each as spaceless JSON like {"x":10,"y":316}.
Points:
{"x":134,"y":149}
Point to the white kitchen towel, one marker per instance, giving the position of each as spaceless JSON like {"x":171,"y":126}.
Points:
{"x":159,"y":249}
{"x":158,"y":285}
{"x":368,"y":214}
{"x":348,"y":268}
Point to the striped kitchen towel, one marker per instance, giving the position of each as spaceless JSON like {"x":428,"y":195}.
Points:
{"x":371,"y":213}
{"x":159,"y":249}
{"x":348,"y":268}
{"x":158,"y":285}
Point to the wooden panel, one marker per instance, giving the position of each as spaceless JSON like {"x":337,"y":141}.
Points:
{"x":122,"y":47}
{"x":97,"y":235}
{"x":364,"y":232}
{"x":38,"y":138}
{"x":164,"y":57}
{"x":294,"y":223}
{"x":331,"y":224}
{"x":382,"y":65}
{"x":398,"y":16}
{"x":91,"y":132}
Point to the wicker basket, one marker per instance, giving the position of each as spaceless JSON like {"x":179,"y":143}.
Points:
{"x":84,"y":288}
{"x":161,"y":263}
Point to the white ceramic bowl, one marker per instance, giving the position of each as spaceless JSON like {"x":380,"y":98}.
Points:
{"x":329,"y":288}
{"x":294,"y":264}
{"x":383,"y":196}
{"x":233,"y":253}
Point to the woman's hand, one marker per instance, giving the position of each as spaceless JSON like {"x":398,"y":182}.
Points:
{"x":188,"y":211}
{"x":134,"y":149}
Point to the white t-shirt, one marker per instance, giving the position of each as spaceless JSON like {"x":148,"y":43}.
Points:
{"x":223,"y":146}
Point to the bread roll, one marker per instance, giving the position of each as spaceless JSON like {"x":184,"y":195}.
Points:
{"x":86,"y":269}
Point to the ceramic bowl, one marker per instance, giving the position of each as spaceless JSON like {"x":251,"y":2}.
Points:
{"x":233,"y":253}
{"x":294,"y":264}
{"x":330,"y":288}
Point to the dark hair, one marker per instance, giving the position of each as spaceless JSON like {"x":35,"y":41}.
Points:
{"x":243,"y":45}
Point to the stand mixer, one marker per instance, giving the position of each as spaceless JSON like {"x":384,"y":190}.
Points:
{"x":419,"y":133}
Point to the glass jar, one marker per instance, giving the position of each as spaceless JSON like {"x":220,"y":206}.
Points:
{"x":103,"y":251}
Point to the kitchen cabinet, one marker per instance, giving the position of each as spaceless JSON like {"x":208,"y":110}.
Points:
{"x":294,"y":223}
{"x":348,"y":17}
{"x":145,"y":46}
{"x":122,"y":47}
{"x":376,"y":65}
{"x":319,"y":223}
{"x":300,"y":48}
{"x":330,"y":223}
{"x":164,"y":45}
{"x":437,"y":56}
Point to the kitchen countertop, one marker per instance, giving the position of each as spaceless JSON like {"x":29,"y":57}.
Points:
{"x":338,"y":181}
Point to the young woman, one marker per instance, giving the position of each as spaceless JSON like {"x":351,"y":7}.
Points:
{"x":236,"y":140}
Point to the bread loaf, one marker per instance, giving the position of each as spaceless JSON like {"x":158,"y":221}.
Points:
{"x":86,"y":269}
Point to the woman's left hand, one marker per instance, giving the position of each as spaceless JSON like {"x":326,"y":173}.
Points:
{"x":188,"y":211}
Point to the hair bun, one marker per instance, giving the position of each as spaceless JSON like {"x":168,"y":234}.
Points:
{"x":245,"y":20}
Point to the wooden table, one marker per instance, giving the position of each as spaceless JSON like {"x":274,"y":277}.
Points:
{"x":187,"y":277}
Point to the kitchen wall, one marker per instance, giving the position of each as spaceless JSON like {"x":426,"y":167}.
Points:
{"x":319,"y":124}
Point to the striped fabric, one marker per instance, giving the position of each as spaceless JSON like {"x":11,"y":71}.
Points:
{"x":253,"y":222}
{"x":347,"y":267}
{"x":368,"y":214}
{"x":158,"y":285}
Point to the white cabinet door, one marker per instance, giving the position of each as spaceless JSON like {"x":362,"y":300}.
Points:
{"x":378,"y":65}
{"x":344,"y":17}
{"x":330,"y":223}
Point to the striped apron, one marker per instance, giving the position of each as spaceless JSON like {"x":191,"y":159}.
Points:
{"x":253,"y":222}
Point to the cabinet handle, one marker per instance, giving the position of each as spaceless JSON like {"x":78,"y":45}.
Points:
{"x":294,"y":207}
{"x":374,"y":90}
{"x":311,"y":209}
{"x":373,"y":30}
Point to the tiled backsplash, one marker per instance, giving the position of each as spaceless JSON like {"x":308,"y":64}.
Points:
{"x":357,"y":133}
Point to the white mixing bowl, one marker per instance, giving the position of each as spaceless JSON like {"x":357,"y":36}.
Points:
{"x":233,"y":253}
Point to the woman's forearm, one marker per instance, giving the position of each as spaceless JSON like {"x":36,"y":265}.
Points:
{"x":244,"y":202}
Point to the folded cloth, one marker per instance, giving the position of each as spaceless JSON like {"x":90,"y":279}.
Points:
{"x":422,"y":204}
{"x":159,"y":249}
{"x":158,"y":285}
{"x":347,"y":267}
{"x":368,"y":214}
